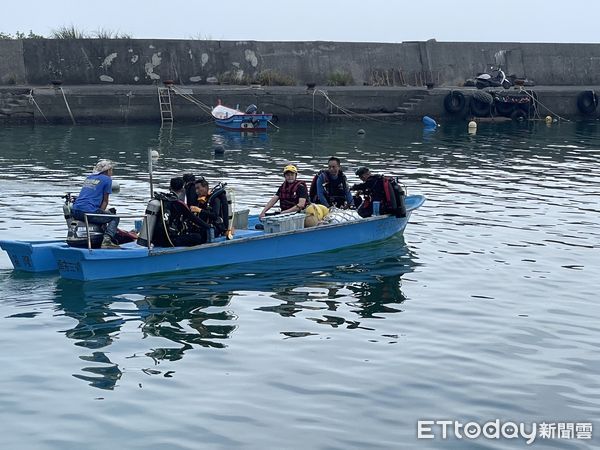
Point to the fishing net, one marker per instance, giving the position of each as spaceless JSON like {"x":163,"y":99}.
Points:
{"x":341,"y":215}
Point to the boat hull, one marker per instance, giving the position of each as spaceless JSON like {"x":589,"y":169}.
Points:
{"x":251,"y":123}
{"x":34,"y":256}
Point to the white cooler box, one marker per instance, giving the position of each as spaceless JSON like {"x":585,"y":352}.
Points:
{"x":286,"y":222}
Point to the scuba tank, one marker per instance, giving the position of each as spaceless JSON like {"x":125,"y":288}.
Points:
{"x":76,"y":230}
{"x":152,"y":212}
{"x":225,"y":212}
{"x":230,"y":214}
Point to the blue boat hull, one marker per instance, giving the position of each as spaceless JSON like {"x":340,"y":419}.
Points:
{"x":245,"y":122}
{"x":248,"y":245}
{"x":34,"y":256}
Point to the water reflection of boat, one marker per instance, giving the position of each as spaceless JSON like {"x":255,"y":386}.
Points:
{"x":185,"y":312}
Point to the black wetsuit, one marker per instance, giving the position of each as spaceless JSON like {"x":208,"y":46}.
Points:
{"x":179,"y":226}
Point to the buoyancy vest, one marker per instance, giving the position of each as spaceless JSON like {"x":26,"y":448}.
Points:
{"x":334,"y":189}
{"x":288,"y":194}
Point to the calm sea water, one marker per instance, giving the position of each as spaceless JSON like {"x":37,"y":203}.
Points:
{"x":486,"y":309}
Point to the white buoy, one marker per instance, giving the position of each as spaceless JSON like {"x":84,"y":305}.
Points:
{"x":548,"y":119}
{"x":361,"y":131}
{"x":472,"y":124}
{"x":154,"y":154}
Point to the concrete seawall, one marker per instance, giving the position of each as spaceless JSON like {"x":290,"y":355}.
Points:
{"x":130,"y":104}
{"x":115,"y":80}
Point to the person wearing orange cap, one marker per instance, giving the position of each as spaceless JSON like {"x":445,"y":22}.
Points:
{"x":292,"y":195}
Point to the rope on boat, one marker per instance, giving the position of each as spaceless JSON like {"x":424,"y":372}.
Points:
{"x":68,"y":107}
{"x":32,"y":100}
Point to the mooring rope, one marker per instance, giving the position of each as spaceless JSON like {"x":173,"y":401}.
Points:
{"x":346,"y":111}
{"x":32,"y":100}
{"x":68,"y":107}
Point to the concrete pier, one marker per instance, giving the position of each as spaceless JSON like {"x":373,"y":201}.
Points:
{"x":130,"y":104}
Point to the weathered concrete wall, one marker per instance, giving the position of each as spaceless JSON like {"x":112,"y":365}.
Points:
{"x":12,"y":69}
{"x":189,"y":62}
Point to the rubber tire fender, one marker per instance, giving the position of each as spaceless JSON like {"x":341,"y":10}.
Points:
{"x":454,"y":102}
{"x":518,"y":115}
{"x":479,"y":108}
{"x":504,"y":109}
{"x":587,"y":101}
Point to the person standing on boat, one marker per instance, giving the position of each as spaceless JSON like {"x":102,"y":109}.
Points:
{"x":292,"y":195}
{"x":331,"y":186}
{"x":93,"y":199}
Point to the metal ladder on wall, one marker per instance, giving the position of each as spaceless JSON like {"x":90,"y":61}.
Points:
{"x":164,"y":101}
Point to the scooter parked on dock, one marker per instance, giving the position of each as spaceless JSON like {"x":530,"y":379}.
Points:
{"x":495,"y":78}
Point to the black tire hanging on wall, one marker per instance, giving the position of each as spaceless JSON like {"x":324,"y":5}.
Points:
{"x":479,"y":108}
{"x":504,"y":108}
{"x":481,"y":104}
{"x":454,"y":102}
{"x":518,"y":115}
{"x":587,"y":101}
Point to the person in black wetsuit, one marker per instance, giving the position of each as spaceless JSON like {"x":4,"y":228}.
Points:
{"x":372,"y":187}
{"x":177,"y":225}
{"x":212,"y":206}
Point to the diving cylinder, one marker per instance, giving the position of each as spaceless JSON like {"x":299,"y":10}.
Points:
{"x":67,"y":212}
{"x":152,"y":213}
{"x":230,"y":206}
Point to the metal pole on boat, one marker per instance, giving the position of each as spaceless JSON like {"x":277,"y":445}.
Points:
{"x":150,"y":172}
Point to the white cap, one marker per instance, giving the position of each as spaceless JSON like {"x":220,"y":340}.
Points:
{"x":102,"y":166}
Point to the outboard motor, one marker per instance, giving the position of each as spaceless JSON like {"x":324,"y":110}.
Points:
{"x":76,"y":230}
{"x":152,"y":212}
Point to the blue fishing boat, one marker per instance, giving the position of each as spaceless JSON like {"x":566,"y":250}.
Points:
{"x":236,"y":120}
{"x":248,"y":245}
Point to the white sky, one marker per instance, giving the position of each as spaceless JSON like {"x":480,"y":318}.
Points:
{"x":310,"y":20}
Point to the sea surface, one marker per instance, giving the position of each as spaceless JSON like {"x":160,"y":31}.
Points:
{"x":486,"y":309}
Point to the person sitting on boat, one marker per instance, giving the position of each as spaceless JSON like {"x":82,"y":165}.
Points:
{"x":382,"y":189}
{"x":330,"y":187}
{"x":176,"y":187}
{"x":212,"y":206}
{"x":177,"y":226}
{"x":292,"y":194}
{"x":93,"y":199}
{"x":189,"y":184}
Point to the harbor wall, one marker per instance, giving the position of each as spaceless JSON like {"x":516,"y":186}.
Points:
{"x":115,"y":80}
{"x":196,"y":62}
